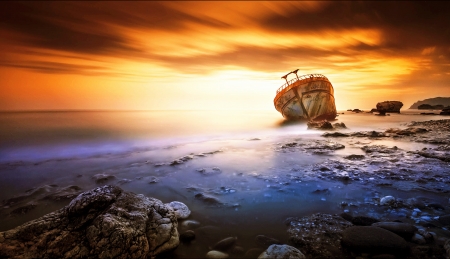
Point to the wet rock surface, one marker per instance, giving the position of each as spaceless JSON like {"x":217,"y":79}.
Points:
{"x":105,"y":222}
{"x":319,"y":235}
{"x":281,"y":252}
{"x":373,"y":240}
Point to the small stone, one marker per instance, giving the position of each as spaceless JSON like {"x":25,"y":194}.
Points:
{"x":418,"y":239}
{"x":253,"y":253}
{"x":225,"y":244}
{"x":216,"y":255}
{"x":387,"y":200}
{"x":281,"y":252}
{"x":237,"y":250}
{"x":190,"y":224}
{"x":264,"y":241}
{"x":187,"y":236}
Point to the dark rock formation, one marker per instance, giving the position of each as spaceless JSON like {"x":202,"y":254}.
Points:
{"x":105,"y":222}
{"x":430,"y":107}
{"x":432,"y":101}
{"x":404,"y":230}
{"x":319,"y":235}
{"x":373,"y":240}
{"x":445,"y":111}
{"x":325,"y":125}
{"x":389,"y":106}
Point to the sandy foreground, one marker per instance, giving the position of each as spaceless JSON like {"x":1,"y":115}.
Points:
{"x":398,"y":178}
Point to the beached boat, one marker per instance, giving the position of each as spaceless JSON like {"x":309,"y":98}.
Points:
{"x":309,"y":97}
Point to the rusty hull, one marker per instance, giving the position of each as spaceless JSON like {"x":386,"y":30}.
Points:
{"x":309,"y":97}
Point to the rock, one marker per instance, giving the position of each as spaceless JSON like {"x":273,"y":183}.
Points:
{"x":190,"y":224}
{"x":105,"y":222}
{"x":355,"y":157}
{"x":338,"y":125}
{"x":237,"y":250}
{"x":445,"y":111}
{"x":265,"y":241}
{"x":322,"y":125}
{"x":447,"y":247}
{"x":363,"y":221}
{"x":373,"y":240}
{"x":181,"y":210}
{"x":320,"y":146}
{"x":389,"y":106}
{"x":387,"y":201}
{"x":216,"y":255}
{"x":208,"y":199}
{"x":281,"y":252}
{"x":187,"y":236}
{"x":253,"y":253}
{"x":209,"y":171}
{"x":404,"y":230}
{"x":103,"y":178}
{"x":380,"y":149}
{"x":182,"y":160}
{"x":368,"y":134}
{"x":445,"y":220}
{"x":418,"y":239}
{"x":68,"y":192}
{"x":318,"y":235}
{"x":373,"y":110}
{"x":436,"y":206}
{"x":357,"y":110}
{"x":225,"y":244}
{"x":23,"y":209}
{"x":335,"y":134}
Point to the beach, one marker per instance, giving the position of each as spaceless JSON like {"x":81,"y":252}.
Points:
{"x":241,"y":174}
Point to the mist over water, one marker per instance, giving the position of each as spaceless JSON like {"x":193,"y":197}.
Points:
{"x":57,"y":149}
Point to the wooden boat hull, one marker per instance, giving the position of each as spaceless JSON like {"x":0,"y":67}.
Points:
{"x":310,"y":97}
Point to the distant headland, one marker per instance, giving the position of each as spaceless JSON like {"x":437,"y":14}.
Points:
{"x":437,"y":102}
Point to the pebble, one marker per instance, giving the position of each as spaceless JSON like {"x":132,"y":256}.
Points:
{"x":190,"y":224}
{"x":418,"y":239}
{"x":225,"y":244}
{"x":264,"y":241}
{"x":187,"y":236}
{"x":216,"y":255}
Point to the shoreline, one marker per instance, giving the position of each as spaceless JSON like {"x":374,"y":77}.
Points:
{"x":370,"y":168}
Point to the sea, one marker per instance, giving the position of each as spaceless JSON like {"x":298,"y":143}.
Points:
{"x":174,"y":155}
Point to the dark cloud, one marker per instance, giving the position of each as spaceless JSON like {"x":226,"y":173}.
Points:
{"x":404,"y":24}
{"x":57,"y":67}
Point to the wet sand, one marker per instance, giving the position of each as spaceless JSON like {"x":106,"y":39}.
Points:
{"x":245,"y":187}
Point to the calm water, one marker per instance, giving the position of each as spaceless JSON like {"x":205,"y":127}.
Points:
{"x":51,"y":150}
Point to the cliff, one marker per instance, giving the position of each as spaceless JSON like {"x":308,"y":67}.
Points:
{"x":445,"y":101}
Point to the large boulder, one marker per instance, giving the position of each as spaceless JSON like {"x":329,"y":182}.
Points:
{"x":373,"y":240}
{"x":389,"y":106}
{"x":105,"y":222}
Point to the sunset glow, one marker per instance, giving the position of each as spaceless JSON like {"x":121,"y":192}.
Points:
{"x":218,"y":55}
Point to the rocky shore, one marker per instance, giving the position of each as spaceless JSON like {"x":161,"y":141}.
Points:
{"x":108,"y":222}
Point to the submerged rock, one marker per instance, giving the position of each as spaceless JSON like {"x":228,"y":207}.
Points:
{"x":103,"y":178}
{"x":105,"y":222}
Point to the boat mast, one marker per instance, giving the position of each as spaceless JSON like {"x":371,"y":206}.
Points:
{"x":292,"y":72}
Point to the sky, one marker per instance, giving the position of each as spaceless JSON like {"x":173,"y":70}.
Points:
{"x":207,"y":55}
